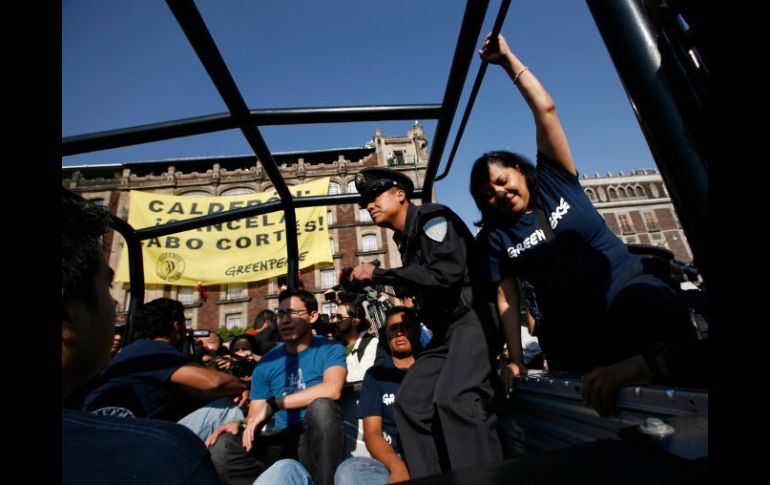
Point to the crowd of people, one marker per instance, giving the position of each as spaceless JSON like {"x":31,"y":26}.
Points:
{"x":265,"y":409}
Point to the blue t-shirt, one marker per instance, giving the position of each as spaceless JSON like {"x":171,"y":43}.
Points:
{"x":137,"y":381}
{"x":280,"y":373}
{"x":378,"y":394}
{"x":577,"y":275}
{"x":105,"y":449}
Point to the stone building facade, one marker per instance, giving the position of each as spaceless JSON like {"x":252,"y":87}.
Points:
{"x":636,"y":207}
{"x":353,"y":235}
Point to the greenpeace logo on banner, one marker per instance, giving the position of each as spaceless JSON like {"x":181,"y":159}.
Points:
{"x":248,"y":249}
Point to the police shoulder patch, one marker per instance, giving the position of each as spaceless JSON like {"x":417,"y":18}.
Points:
{"x":436,"y":228}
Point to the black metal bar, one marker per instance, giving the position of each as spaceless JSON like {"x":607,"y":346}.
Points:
{"x":652,"y":79}
{"x":475,"y":90}
{"x":192,"y":24}
{"x":475,"y":11}
{"x":104,"y":140}
{"x":135,"y":272}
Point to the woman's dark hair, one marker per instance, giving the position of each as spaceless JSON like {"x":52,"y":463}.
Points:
{"x":249,"y":338}
{"x":480,"y":176}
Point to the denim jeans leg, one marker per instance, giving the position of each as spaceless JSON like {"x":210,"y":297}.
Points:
{"x":205,"y":420}
{"x":360,"y":470}
{"x":322,"y":443}
{"x":285,"y":472}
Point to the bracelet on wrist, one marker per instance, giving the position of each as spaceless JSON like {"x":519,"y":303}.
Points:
{"x":516,"y":77}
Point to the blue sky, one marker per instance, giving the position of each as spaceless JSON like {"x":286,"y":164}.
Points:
{"x":128,"y":63}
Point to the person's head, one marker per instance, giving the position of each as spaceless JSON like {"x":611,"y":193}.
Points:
{"x":349,"y":319}
{"x":503,"y":185}
{"x":88,"y":310}
{"x":297,"y":311}
{"x":402,"y":332}
{"x":385,"y":194}
{"x":117,"y":338}
{"x":263,"y":317}
{"x":162,"y":318}
{"x":243,"y":345}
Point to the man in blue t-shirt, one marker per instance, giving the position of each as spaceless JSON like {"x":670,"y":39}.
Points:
{"x":375,"y":405}
{"x":296,"y":384}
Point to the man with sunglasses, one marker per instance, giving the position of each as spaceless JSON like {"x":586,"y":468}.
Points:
{"x":450,"y":383}
{"x":349,"y":327}
{"x":296,"y":384}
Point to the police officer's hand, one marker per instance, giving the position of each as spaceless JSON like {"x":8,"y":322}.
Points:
{"x":363,"y":273}
{"x":510,"y":371}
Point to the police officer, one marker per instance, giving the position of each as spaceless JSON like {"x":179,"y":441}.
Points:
{"x":443,"y":407}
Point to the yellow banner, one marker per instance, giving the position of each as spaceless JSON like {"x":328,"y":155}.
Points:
{"x":249,"y":249}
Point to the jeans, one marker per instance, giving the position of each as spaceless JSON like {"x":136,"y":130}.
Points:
{"x":360,"y":470}
{"x":205,"y":420}
{"x":285,"y":472}
{"x":318,"y":444}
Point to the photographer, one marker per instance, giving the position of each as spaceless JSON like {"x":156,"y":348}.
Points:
{"x":152,"y":378}
{"x":349,"y":326}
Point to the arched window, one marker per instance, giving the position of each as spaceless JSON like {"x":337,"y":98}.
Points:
{"x":196,"y":193}
{"x":238,"y":191}
{"x":369,"y":242}
{"x":630,"y":191}
{"x":334,"y":188}
{"x":640,"y":191}
{"x":352,"y":187}
{"x":621,"y":193}
{"x":591,"y":195}
{"x":613,"y":193}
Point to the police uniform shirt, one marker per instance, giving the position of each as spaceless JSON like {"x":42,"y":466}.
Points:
{"x":433,"y":250}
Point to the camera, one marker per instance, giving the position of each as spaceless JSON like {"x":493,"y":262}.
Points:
{"x":371,"y":298}
{"x":197,"y":332}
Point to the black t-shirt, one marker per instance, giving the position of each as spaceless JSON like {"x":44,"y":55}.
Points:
{"x":378,"y":393}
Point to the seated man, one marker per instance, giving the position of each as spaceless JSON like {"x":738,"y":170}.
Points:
{"x":349,"y":327}
{"x":101,"y":449}
{"x":151,"y":378}
{"x":296,"y":384}
{"x":375,"y":406}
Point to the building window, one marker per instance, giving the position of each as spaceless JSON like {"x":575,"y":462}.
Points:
{"x":232,"y":320}
{"x":639,"y":191}
{"x":613,"y":193}
{"x":185,"y":295}
{"x":369,"y":242}
{"x":352,"y":187}
{"x":651,"y":222}
{"x":364,"y":216}
{"x":278,"y":284}
{"x":329,"y":217}
{"x":328,"y":278}
{"x":329,"y":308}
{"x":235,"y":290}
{"x":625,"y":224}
{"x":398,"y":157}
{"x":630,"y":191}
{"x":238,"y":191}
{"x":331,"y":245}
{"x":591,"y":195}
{"x":334,"y":188}
{"x":196,"y":193}
{"x":621,"y":193}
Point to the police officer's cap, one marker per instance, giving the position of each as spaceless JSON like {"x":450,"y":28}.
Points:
{"x":372,"y":181}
